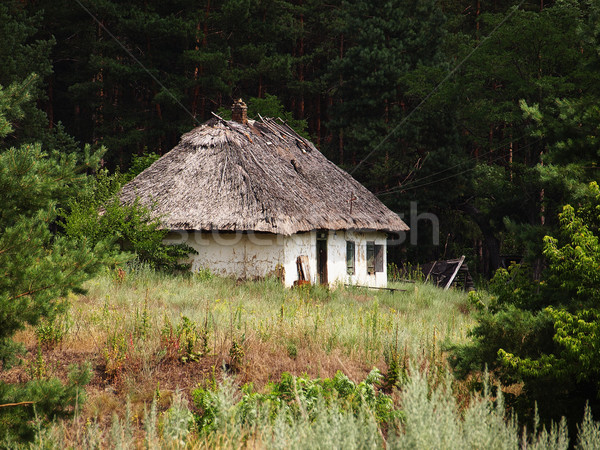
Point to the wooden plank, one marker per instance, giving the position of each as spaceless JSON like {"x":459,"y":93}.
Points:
{"x":300,"y":271}
{"x":378,"y":288}
{"x":430,"y":270}
{"x":460,"y":262}
{"x":302,"y":265}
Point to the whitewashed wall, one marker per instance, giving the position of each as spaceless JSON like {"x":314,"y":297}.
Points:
{"x":336,"y":258}
{"x":297,"y":245}
{"x":241,"y":255}
{"x":257,"y":255}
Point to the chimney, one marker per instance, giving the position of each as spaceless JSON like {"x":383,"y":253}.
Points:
{"x":239,"y":112}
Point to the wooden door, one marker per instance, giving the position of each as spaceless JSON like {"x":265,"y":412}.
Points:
{"x":322,"y":257}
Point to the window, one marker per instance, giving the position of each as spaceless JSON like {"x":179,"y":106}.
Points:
{"x":350,"y":257}
{"x":374,"y":258}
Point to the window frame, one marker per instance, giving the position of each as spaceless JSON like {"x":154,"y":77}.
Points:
{"x":374,"y":258}
{"x":370,"y":257}
{"x":350,"y":257}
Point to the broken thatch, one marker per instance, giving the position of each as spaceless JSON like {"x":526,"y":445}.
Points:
{"x":261,"y":176}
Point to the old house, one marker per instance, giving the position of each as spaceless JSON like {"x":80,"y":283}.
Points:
{"x":255,"y":199}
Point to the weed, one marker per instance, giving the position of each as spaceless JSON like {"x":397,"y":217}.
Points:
{"x":237,"y":354}
{"x":38,"y":369}
{"x":51,"y":332}
{"x":188,"y":335}
{"x":406,"y":272}
{"x":203,"y":274}
{"x":397,"y":373}
{"x":292,"y":350}
{"x":119,"y":275}
{"x":142,"y":320}
{"x":176,"y":422}
{"x":589,"y":431}
{"x":121,"y":432}
{"x":150,"y":419}
{"x":188,"y":342}
{"x":115,"y":354}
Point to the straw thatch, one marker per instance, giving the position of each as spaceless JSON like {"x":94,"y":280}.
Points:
{"x":224,"y":175}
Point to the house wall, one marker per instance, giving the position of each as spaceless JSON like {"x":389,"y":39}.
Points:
{"x":297,"y":245}
{"x":252,"y":255}
{"x":336,"y":255}
{"x":243,"y":255}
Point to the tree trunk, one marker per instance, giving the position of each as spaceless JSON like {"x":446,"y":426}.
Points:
{"x":490,"y":241}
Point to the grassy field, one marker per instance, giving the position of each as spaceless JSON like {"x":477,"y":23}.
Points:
{"x":169,"y":351}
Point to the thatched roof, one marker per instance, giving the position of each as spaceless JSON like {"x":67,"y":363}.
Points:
{"x":224,"y":175}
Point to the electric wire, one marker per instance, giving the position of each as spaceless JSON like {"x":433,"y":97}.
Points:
{"x":402,"y":122}
{"x":468,"y":161}
{"x":410,"y":187}
{"x":114,"y":38}
{"x":434,"y":90}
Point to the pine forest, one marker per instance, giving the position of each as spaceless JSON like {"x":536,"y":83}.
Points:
{"x":476,"y":122}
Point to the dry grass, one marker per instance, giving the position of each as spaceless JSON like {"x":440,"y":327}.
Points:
{"x":120,"y":327}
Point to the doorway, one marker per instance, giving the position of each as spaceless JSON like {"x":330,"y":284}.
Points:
{"x":322,"y":257}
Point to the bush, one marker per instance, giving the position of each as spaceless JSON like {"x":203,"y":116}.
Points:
{"x":98,"y":215}
{"x":44,"y":400}
{"x":545,"y":333}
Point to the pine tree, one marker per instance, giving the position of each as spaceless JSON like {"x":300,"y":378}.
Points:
{"x":544,"y":333}
{"x":38,"y":267}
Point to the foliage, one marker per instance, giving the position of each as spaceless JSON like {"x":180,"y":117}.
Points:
{"x":269,"y":106}
{"x":297,"y":397}
{"x":432,"y":407}
{"x":97,"y":215}
{"x":368,"y":81}
{"x":44,"y":399}
{"x":188,"y":341}
{"x":588,"y":431}
{"x":26,"y":60}
{"x":315,"y":413}
{"x":38,"y":267}
{"x":51,"y":331}
{"x":177,"y":422}
{"x":139,"y":163}
{"x":545,"y":333}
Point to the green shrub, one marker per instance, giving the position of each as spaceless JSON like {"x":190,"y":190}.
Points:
{"x":545,"y":333}
{"x":98,"y":215}
{"x":303,"y":397}
{"x":44,"y":399}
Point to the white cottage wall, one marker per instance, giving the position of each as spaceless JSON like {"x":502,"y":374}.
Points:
{"x":251,"y":255}
{"x":300,"y":244}
{"x":243,"y":255}
{"x":337,"y":268}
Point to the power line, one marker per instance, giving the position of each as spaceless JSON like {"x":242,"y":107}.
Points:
{"x":508,"y":141}
{"x":138,"y":61}
{"x":409,"y":187}
{"x":434,"y":90}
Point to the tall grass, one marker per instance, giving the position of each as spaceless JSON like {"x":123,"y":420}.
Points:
{"x":355,"y":323}
{"x":430,"y":418}
{"x":145,"y":330}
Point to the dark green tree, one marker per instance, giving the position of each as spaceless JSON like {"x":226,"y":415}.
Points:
{"x":545,"y":333}
{"x":38,"y":267}
{"x":24,"y":52}
{"x":382,"y":41}
{"x":492,"y":179}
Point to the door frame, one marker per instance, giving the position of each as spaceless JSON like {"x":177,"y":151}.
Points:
{"x":322,"y":257}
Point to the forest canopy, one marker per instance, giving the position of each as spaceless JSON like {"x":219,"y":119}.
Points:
{"x":484,"y":113}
